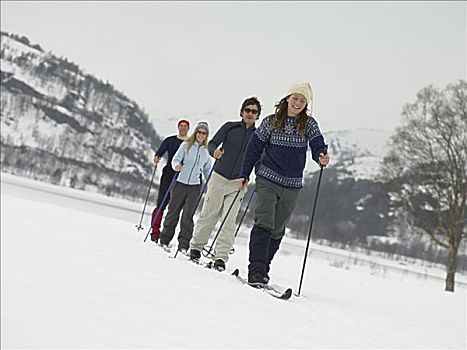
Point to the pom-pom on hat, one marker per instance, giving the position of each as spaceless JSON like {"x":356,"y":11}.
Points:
{"x":302,"y":89}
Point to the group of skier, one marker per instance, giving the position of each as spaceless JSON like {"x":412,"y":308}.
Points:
{"x":276,"y":149}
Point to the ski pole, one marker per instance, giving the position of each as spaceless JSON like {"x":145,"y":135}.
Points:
{"x":203,"y":189}
{"x":208,"y":252}
{"x":200,"y":195}
{"x":232,"y":250}
{"x":171,"y":186}
{"x":311,"y":227}
{"x":139,"y":227}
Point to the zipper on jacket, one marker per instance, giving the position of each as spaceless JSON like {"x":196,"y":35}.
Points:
{"x":196,"y":157}
{"x":238,"y":154}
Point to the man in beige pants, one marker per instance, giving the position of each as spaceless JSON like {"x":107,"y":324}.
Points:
{"x":228,"y":147}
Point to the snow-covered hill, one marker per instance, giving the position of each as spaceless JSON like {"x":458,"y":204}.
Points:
{"x":77,"y":276}
{"x":356,"y":153}
{"x":65,"y":126}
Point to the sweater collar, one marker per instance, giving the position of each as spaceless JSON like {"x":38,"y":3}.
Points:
{"x":253,"y":127}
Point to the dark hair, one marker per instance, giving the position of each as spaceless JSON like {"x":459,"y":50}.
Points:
{"x":281,"y":115}
{"x":251,"y":101}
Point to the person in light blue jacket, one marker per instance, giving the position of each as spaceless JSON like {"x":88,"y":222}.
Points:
{"x":190,"y":161}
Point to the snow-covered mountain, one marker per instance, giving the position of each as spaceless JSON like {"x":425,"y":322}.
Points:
{"x":356,"y":153}
{"x":352,"y":204}
{"x":65,"y":126}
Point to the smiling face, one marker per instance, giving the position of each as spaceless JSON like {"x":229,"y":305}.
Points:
{"x":201,"y":135}
{"x":296,"y":104}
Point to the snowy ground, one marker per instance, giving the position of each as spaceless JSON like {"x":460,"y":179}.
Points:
{"x":76,"y":274}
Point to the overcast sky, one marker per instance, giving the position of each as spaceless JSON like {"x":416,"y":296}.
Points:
{"x":202,"y":59}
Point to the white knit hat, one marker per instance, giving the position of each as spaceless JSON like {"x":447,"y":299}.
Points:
{"x":302,"y":89}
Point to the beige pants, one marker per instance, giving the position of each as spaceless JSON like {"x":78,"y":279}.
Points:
{"x":219,"y":196}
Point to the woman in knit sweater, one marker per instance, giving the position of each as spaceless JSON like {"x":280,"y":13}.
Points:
{"x":284,"y":138}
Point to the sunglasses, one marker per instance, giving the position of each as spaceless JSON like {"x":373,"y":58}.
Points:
{"x":253,"y":111}
{"x":202,"y":132}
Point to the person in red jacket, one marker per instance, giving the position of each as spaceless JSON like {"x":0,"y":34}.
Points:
{"x":170,"y":146}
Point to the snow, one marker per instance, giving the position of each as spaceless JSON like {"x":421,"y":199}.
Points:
{"x":76,"y":274}
{"x":31,"y":130}
{"x":17,"y":48}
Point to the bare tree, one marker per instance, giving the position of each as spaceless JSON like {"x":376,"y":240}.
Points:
{"x":426,"y":167}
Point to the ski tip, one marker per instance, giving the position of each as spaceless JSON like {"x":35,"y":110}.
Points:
{"x":287,"y":294}
{"x":236,"y":272}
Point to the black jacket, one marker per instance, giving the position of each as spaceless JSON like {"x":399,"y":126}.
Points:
{"x":234,"y":137}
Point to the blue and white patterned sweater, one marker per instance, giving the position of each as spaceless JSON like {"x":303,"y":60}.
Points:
{"x":284,"y":151}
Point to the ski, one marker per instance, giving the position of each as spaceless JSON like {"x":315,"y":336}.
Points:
{"x":207,"y":265}
{"x":202,"y":263}
{"x":283,"y":295}
{"x":210,"y":265}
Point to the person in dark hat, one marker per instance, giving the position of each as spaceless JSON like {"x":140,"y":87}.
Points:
{"x":170,"y":145}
